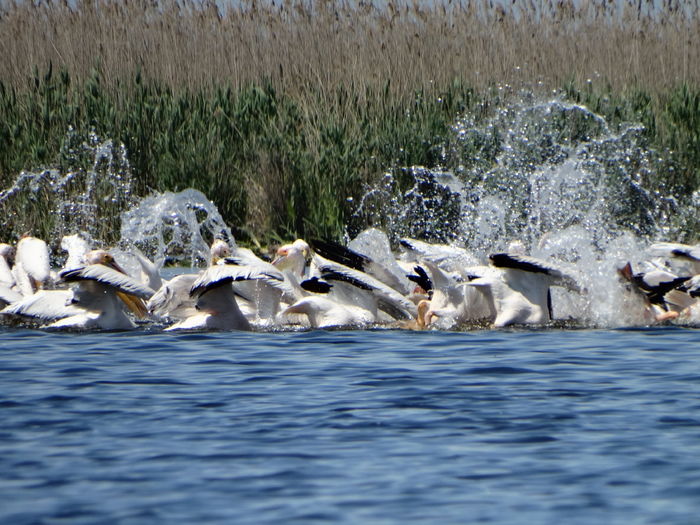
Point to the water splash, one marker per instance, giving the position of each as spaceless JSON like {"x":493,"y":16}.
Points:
{"x":176,"y":227}
{"x":85,"y":194}
{"x":551,"y":174}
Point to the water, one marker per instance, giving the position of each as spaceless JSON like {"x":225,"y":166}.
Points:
{"x":350,"y":426}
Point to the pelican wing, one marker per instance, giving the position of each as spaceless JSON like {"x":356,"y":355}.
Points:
{"x":110,"y":277}
{"x":47,"y":305}
{"x":150,"y":274}
{"x":389,"y":299}
{"x":8,"y":295}
{"x":448,"y":257}
{"x":533,"y":265}
{"x":421,"y":278}
{"x":220,"y":274}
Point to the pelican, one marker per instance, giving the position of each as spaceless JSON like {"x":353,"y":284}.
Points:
{"x":216,"y":304}
{"x":324,"y":312}
{"x":363,"y":263}
{"x":660,"y":292}
{"x":519,"y":288}
{"x":32,"y":268}
{"x":380,"y":295}
{"x":453,"y":300}
{"x":97,"y":301}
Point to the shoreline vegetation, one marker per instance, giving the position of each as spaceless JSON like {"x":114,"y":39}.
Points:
{"x":283,"y":113}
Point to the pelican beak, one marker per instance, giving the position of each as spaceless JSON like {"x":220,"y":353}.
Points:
{"x":280,"y":258}
{"x":134,"y":304}
{"x":112,"y":263}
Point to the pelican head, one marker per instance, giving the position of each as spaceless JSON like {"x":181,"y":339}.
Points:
{"x":219,"y":249}
{"x":104,"y":258}
{"x":293,"y":256}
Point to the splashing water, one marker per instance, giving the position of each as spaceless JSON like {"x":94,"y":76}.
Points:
{"x":551,"y":174}
{"x":178,"y":227}
{"x":88,"y":195}
{"x":85,"y":195}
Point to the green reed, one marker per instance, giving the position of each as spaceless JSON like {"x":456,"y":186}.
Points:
{"x":275,"y":166}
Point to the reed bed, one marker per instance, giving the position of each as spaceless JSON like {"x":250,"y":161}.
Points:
{"x":281,"y":112}
{"x":321,"y":44}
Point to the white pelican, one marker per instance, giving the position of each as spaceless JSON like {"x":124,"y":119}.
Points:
{"x":32,"y":268}
{"x":324,"y":312}
{"x":384,"y":297}
{"x":660,"y":291}
{"x":519,"y":287}
{"x":173,"y":300}
{"x":258,"y":300}
{"x":454,"y":301}
{"x":215,"y":299}
{"x":363,"y":263}
{"x":97,"y":301}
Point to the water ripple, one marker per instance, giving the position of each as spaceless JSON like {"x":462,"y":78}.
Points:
{"x":376,"y":426}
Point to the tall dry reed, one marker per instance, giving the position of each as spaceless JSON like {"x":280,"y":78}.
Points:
{"x":320,"y":44}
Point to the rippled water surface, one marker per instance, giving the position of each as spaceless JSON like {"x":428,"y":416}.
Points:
{"x":551,"y":426}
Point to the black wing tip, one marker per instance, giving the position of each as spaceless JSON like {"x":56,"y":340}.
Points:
{"x":71,"y":274}
{"x":316,"y":285}
{"x":421,"y":278}
{"x":341,"y":254}
{"x":338,"y":276}
{"x":506,"y":260}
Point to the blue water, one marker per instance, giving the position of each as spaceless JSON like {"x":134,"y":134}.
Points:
{"x":577,"y":426}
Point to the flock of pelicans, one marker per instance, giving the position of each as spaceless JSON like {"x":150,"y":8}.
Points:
{"x":323,"y":285}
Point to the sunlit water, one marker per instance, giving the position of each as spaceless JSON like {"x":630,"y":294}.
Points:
{"x":536,"y":426}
